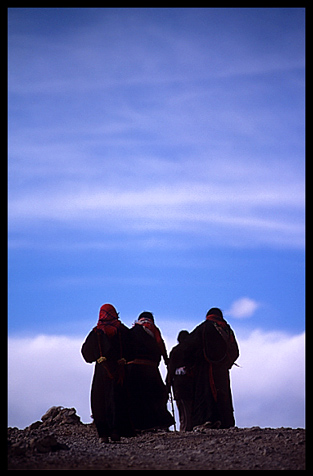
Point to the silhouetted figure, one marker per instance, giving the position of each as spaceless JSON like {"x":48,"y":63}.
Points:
{"x":180,"y":377}
{"x":108,"y":345}
{"x":212,"y":350}
{"x":146,"y":390}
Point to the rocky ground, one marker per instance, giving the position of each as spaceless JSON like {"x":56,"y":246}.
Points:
{"x":61,"y":441}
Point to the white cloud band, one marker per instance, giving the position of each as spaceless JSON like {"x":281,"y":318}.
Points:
{"x":268,"y":389}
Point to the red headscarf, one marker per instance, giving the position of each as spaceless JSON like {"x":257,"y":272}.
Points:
{"x":108,"y":320}
{"x":147,"y":321}
{"x":219,"y":320}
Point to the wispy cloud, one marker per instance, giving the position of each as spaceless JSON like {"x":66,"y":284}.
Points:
{"x":149,"y":199}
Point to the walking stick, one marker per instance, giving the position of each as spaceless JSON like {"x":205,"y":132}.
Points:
{"x":172,"y":404}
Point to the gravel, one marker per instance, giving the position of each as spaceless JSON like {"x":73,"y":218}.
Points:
{"x":61,"y":441}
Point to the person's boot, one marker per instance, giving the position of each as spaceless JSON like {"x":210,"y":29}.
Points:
{"x":115,"y":437}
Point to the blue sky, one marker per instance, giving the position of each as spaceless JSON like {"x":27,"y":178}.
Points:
{"x":156,"y":162}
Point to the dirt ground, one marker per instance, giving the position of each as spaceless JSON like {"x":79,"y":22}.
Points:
{"x":76,"y":445}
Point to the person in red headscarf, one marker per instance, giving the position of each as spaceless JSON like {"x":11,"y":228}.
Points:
{"x":147,"y":391}
{"x":108,"y":345}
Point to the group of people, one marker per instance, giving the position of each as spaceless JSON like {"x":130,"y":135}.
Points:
{"x":128,"y":393}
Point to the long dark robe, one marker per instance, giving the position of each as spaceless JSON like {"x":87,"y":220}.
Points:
{"x":109,"y":403}
{"x":146,"y":390}
{"x":212,"y":392}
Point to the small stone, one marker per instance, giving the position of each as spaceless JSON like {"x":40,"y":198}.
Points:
{"x":35,"y":425}
{"x":51,"y":413}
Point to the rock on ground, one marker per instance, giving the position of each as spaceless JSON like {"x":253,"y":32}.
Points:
{"x":61,"y":441}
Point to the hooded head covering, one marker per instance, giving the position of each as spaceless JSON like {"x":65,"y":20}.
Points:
{"x":216,"y":315}
{"x":108,"y":320}
{"x":182,"y":336}
{"x":146,"y":320}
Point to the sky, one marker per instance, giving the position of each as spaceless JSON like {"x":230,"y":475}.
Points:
{"x":156,"y":162}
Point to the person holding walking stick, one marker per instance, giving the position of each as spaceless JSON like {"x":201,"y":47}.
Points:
{"x":180,"y":377}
